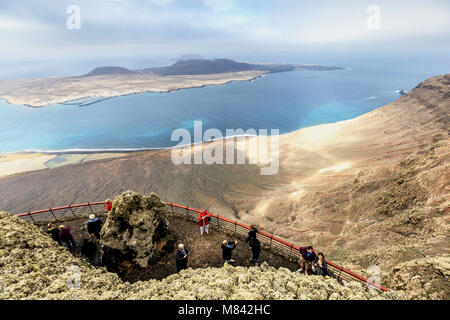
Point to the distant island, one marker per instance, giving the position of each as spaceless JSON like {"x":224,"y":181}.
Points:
{"x":113,"y":81}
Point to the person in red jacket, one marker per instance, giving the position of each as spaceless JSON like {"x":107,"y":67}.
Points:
{"x":203,"y":222}
{"x":108,"y":205}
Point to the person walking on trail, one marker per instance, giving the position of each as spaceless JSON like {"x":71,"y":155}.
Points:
{"x":108,"y":205}
{"x":181,"y":257}
{"x":94,"y":226}
{"x":203,"y":222}
{"x":251,"y":234}
{"x":66,"y":237}
{"x":308,"y":256}
{"x":227,"y":249}
{"x":255,"y":246}
{"x":53,"y":232}
{"x":320,"y":265}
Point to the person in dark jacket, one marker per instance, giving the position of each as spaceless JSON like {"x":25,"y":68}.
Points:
{"x":252,"y":233}
{"x":109,"y":258}
{"x":89,"y":249}
{"x":320,"y":265}
{"x":227,"y":249}
{"x":255,"y":246}
{"x":66,"y":237}
{"x":94,"y":226}
{"x":308,"y":256}
{"x":53,"y":232}
{"x":181,"y":257}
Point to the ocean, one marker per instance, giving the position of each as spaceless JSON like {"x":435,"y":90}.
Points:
{"x":285,"y":101}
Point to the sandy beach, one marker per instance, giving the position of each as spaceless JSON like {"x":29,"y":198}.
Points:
{"x":15,"y":163}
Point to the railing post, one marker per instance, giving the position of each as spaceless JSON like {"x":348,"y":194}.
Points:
{"x":53,"y":214}
{"x":339,"y":275}
{"x":282,"y":244}
{"x":290,"y":251}
{"x":187,"y":213}
{"x":31,"y":216}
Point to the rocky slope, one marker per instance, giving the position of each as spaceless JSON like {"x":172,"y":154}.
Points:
{"x":395,"y":217}
{"x":32,"y":266}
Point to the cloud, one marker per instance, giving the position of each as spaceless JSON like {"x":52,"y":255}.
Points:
{"x":11,"y":24}
{"x":218,"y":5}
{"x":161,"y":3}
{"x":36,"y":29}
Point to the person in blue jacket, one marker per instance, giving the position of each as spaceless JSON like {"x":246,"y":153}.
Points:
{"x":227,"y":249}
{"x":94,"y":226}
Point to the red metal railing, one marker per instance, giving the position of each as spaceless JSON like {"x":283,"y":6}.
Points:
{"x":273,"y":243}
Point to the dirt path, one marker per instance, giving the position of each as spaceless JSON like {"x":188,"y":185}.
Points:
{"x":204,"y":250}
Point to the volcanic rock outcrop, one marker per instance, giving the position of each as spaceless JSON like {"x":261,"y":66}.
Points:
{"x":33,"y":266}
{"x":425,"y":278}
{"x":134,"y":226}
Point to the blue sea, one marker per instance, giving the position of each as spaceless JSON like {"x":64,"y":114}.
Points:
{"x":285,"y":101}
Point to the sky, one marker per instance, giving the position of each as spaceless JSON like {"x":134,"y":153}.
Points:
{"x":63,"y":37}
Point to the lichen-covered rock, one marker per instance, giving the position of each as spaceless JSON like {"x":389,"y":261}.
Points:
{"x":134,"y":224}
{"x":425,"y":278}
{"x":33,"y":266}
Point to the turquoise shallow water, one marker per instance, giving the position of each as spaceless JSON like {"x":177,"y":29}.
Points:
{"x":285,"y":101}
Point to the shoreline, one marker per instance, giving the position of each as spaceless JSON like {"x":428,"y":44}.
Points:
{"x":42,"y":158}
{"x":123,"y":150}
{"x":233,"y":77}
{"x":13,"y":163}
